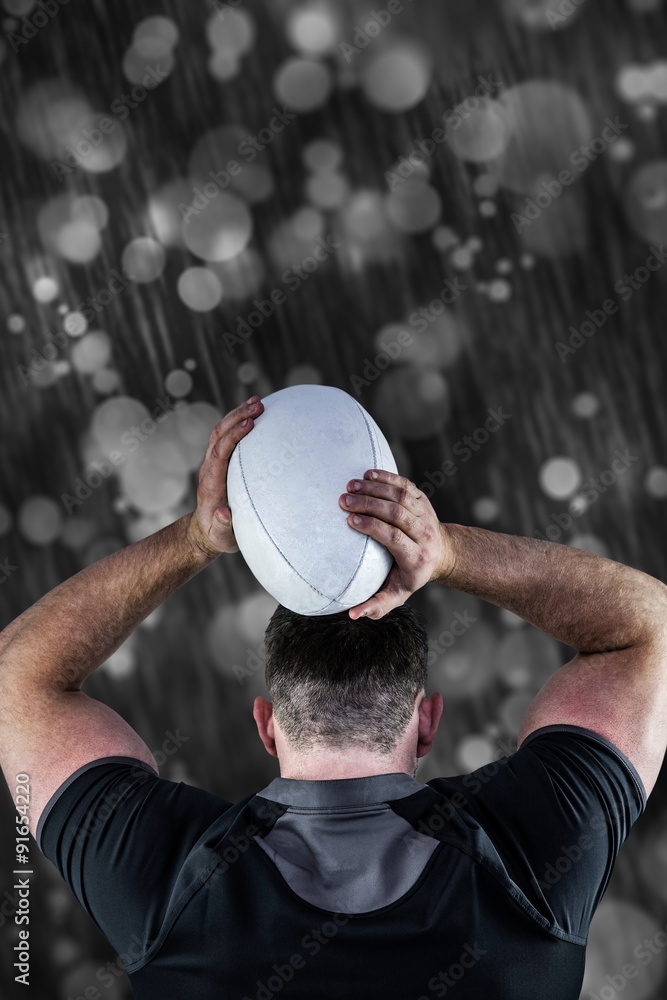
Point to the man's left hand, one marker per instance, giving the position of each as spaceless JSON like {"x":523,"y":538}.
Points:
{"x":210,"y":527}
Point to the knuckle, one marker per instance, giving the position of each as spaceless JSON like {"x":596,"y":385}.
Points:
{"x":395,"y":536}
{"x":403,"y":494}
{"x":402,"y":515}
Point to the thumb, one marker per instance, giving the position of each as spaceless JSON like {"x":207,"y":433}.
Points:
{"x":223,"y":530}
{"x":390,"y":596}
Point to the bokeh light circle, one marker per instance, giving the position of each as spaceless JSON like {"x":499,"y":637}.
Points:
{"x":303,"y":84}
{"x":412,"y":403}
{"x":327,"y":190}
{"x":231,"y":31}
{"x":40,"y":520}
{"x":312,"y":28}
{"x":221,"y":230}
{"x":473,"y":752}
{"x":178,"y":383}
{"x":96,"y":149}
{"x":199,"y":289}
{"x":646,"y":202}
{"x":486,"y":510}
{"x":397,"y":78}
{"x":75,"y":324}
{"x":655,"y":482}
{"x":304,"y":375}
{"x":585,"y":405}
{"x":547,"y":122}
{"x":45,"y":289}
{"x":414,"y":207}
{"x":92,"y":352}
{"x":560,"y":477}
{"x":322,"y":154}
{"x":481,"y":135}
{"x":157,"y":27}
{"x":143,"y":259}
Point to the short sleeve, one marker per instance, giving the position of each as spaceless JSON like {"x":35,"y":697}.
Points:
{"x":557,"y":812}
{"x":119,"y":836}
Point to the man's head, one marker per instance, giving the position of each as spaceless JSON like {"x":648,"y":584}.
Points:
{"x":347,"y":691}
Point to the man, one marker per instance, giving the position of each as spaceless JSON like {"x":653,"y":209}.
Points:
{"x":346,"y":875}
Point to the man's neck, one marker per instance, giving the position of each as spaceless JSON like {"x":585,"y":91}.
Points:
{"x":338,"y":766}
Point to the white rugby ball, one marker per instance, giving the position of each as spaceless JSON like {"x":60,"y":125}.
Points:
{"x":283,"y":484}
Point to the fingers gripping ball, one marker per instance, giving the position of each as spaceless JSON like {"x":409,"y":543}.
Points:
{"x":283,"y":485}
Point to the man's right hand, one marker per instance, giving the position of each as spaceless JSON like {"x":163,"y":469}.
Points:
{"x":394,"y":512}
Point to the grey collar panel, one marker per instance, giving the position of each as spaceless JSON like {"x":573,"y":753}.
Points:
{"x":341,"y":792}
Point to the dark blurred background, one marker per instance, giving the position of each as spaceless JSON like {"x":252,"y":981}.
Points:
{"x":165,"y":168}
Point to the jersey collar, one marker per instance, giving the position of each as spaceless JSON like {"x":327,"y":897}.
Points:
{"x":341,"y":791}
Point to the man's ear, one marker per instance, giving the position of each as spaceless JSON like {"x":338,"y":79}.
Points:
{"x":262,"y":712}
{"x":430,"y":710}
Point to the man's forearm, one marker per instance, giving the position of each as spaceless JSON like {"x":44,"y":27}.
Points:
{"x":588,"y":602}
{"x":74,"y":628}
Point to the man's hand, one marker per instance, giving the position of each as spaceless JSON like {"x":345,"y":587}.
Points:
{"x":210,"y":527}
{"x":393,"y":511}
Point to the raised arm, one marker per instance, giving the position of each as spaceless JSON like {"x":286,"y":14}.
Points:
{"x":48,"y":726}
{"x":614,"y":616}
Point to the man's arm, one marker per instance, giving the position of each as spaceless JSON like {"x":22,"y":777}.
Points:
{"x":615,"y":616}
{"x":48,"y":726}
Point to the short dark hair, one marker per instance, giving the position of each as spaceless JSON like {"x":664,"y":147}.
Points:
{"x":335,"y":681}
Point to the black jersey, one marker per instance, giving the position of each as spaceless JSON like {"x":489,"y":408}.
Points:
{"x":476,"y":886}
